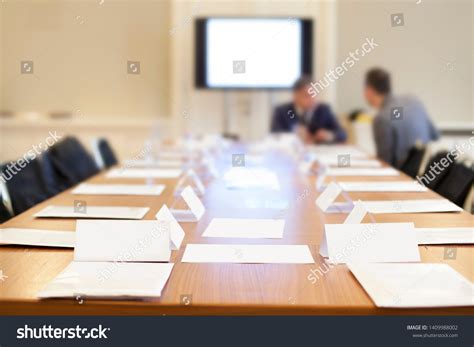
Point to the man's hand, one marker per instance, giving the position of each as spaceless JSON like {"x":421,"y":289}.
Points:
{"x":322,"y":136}
{"x":303,"y":134}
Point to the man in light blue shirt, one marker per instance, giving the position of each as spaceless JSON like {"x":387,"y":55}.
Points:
{"x":401,"y":121}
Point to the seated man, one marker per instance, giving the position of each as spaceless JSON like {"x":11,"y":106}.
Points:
{"x":401,"y":122}
{"x":313,"y":121}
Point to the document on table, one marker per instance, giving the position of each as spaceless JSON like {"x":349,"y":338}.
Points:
{"x":144,"y":173}
{"x":394,"y":186}
{"x":370,"y":242}
{"x":83,"y":211}
{"x":37,"y":237}
{"x":119,"y":189}
{"x":444,"y":236}
{"x":247,"y":254}
{"x":411,"y":206}
{"x":413,"y":285}
{"x":348,"y":171}
{"x":109,"y":240}
{"x":352,"y":162}
{"x":245,"y":228}
{"x":102,"y":280}
{"x":251,"y":178}
{"x":145,"y":163}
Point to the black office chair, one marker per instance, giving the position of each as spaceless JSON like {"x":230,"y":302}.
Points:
{"x":25,"y":186}
{"x":457,"y":184}
{"x":72,"y":162}
{"x":107,"y":155}
{"x":432,"y":178}
{"x":4,"y":213}
{"x":411,"y":165}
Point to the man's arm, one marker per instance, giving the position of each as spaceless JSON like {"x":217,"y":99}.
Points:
{"x":384,"y":140}
{"x":277,"y":125}
{"x":331,"y":124}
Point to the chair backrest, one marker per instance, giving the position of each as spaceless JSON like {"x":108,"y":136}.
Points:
{"x":105,"y":156}
{"x":72,"y":161}
{"x":457,"y":184}
{"x":5,"y":214}
{"x":435,"y":173}
{"x":25,"y":186}
{"x":412,"y":163}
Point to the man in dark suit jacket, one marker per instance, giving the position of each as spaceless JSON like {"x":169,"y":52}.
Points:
{"x":313,"y":121}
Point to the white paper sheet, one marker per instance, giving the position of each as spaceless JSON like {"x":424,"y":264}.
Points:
{"x":414,"y":285}
{"x":106,"y":212}
{"x":411,"y":206}
{"x":334,"y":150}
{"x":119,"y":189}
{"x":353,"y":162}
{"x":176,"y":232}
{"x":251,"y":178}
{"x":371,"y":242}
{"x":328,"y":196}
{"x":245,"y":228}
{"x":247,"y":254}
{"x":144,"y":173}
{"x":196,"y":208}
{"x":37,"y":237}
{"x":348,"y":171}
{"x":109,"y":240}
{"x":366,"y":186}
{"x":83,"y":280}
{"x":444,"y":236}
{"x":144,"y":163}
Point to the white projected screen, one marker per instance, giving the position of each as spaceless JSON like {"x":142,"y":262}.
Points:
{"x":253,"y":53}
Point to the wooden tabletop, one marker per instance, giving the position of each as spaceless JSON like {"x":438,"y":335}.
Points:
{"x":228,"y":289}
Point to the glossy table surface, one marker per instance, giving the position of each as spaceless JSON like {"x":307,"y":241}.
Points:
{"x":229,"y":289}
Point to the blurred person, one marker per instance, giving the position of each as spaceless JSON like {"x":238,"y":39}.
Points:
{"x":311,"y":120}
{"x":401,"y":121}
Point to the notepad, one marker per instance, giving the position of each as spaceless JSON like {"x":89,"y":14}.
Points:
{"x":245,"y":228}
{"x":370,"y":242}
{"x":118,"y":189}
{"x":394,"y":186}
{"x":196,"y":207}
{"x":414,"y":285}
{"x":176,"y":231}
{"x":441,"y":236}
{"x":103,"y":280}
{"x":411,"y":206}
{"x":37,"y":237}
{"x":247,"y":254}
{"x":343,"y":171}
{"x":105,"y":212}
{"x":143,"y":173}
{"x":110,"y":240}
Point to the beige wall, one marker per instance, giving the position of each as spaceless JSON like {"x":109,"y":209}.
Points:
{"x":431,"y":56}
{"x":80,"y":51}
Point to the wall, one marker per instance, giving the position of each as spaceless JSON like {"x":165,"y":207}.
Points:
{"x":430,"y":56}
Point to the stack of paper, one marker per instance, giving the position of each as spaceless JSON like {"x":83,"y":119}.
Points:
{"x":118,"y":189}
{"x":112,"y":260}
{"x":37,"y":237}
{"x":247,"y":254}
{"x":413,"y":285}
{"x":143,"y":173}
{"x":440,"y":236}
{"x":84,"y":211}
{"x":245,"y":228}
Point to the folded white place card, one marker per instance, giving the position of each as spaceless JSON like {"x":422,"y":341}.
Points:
{"x":176,"y":231}
{"x":370,"y":242}
{"x":413,"y":285}
{"x":144,"y":173}
{"x":328,"y":196}
{"x":190,"y":178}
{"x":411,"y":206}
{"x":119,"y":189}
{"x":348,"y":171}
{"x":83,"y":211}
{"x":102,"y":280}
{"x":109,"y":240}
{"x":357,"y":214}
{"x":196,"y":208}
{"x":396,"y":186}
{"x":247,"y":254}
{"x":245,"y":228}
{"x":444,"y":236}
{"x":37,"y":237}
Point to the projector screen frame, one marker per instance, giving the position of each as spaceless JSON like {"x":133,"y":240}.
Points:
{"x":200,"y":69}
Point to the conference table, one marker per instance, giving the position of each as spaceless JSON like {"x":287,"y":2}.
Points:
{"x":229,"y":289}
